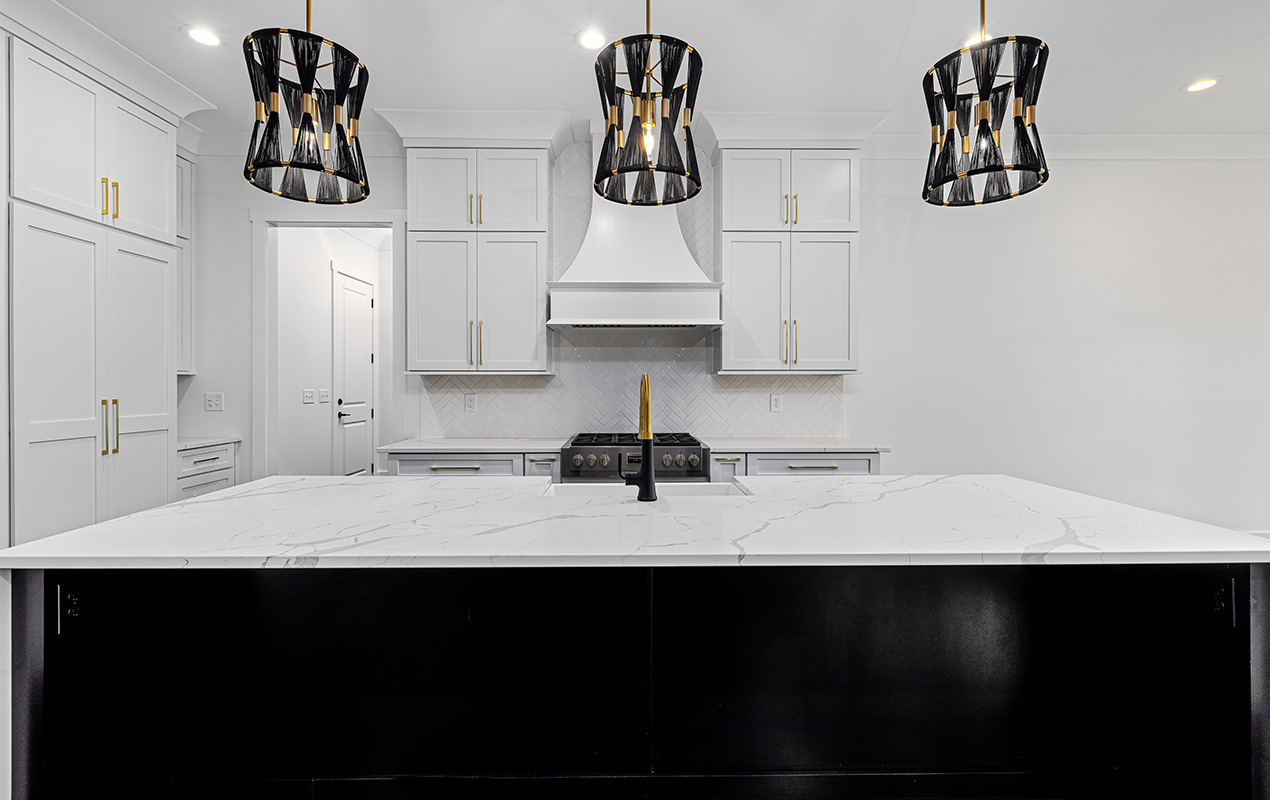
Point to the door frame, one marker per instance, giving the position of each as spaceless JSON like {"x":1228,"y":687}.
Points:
{"x":372,"y":423}
{"x":399,"y":412}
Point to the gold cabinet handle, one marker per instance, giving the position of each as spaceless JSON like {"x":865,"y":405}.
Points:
{"x":115,"y":185}
{"x":205,"y":460}
{"x":105,"y":198}
{"x":786,"y":209}
{"x":729,"y":460}
{"x":115,"y":403}
{"x":786,"y":341}
{"x":105,"y":416}
{"x":480,"y":209}
{"x":471,"y":357}
{"x":795,"y":341}
{"x":813,"y":466}
{"x":480,"y":343}
{"x":469,"y":209}
{"x":541,"y":460}
{"x":795,"y":209}
{"x":445,"y":469}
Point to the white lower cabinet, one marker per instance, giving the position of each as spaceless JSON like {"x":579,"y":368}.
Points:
{"x":545,"y":465}
{"x":203,"y":470}
{"x":812,"y":464}
{"x":726,"y":466}
{"x":93,"y":395}
{"x":443,"y":465}
{"x":199,"y":485}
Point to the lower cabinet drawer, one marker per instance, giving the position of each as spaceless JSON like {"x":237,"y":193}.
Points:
{"x":546,"y":465}
{"x":208,"y":482}
{"x":205,"y":459}
{"x":726,"y":466}
{"x":440,"y":465}
{"x":811,"y":464}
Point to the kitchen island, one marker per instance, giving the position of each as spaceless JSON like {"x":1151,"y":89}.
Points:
{"x":886,"y":636}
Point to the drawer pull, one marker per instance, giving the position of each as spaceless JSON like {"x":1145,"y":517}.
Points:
{"x":541,"y":460}
{"x":438,"y":469}
{"x":205,"y":460}
{"x":728,"y":459}
{"x":813,"y":466}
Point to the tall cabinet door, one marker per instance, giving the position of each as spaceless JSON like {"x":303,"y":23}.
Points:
{"x":513,"y":194}
{"x":756,"y":325}
{"x":441,"y":189}
{"x":59,"y":435}
{"x":755,"y":190}
{"x":511,"y":302}
{"x":139,"y":366}
{"x":142,"y":162}
{"x":826,"y":186}
{"x":441,"y":303}
{"x":821,"y":302}
{"x":59,"y":135}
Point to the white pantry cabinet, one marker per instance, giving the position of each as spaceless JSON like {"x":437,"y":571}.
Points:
{"x":788,"y":303}
{"x":93,"y":395}
{"x":184,"y":198}
{"x":492,"y":190}
{"x":476,"y":303}
{"x":182,"y":311}
{"x":790,"y":190}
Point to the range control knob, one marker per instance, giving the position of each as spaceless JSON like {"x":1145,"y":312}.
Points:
{"x":693,"y":460}
{"x":590,"y":459}
{"x":680,"y":460}
{"x":666,"y":460}
{"x":577,"y":461}
{"x":604,"y":460}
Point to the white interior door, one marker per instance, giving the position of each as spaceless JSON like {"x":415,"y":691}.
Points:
{"x":441,"y":303}
{"x":139,"y":368}
{"x":756,"y":324}
{"x":513,"y":192}
{"x":59,"y":136}
{"x":59,"y":435}
{"x":142,"y":161}
{"x":511,"y":302}
{"x":826,"y":190}
{"x":353,"y":328}
{"x":821,"y":303}
{"x":755,"y":187}
{"x":441,"y":185}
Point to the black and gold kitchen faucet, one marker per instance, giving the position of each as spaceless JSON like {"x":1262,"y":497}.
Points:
{"x":644,"y":478}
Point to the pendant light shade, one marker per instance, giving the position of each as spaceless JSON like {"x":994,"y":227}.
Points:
{"x":649,"y":79}
{"x":316,"y":157}
{"x":990,"y":148}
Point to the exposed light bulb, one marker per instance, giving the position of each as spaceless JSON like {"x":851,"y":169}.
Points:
{"x":976,"y":39}
{"x":1199,"y":86}
{"x":203,"y":36}
{"x":649,"y":142}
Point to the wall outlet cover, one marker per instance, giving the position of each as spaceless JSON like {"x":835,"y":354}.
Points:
{"x":324,"y":395}
{"x":213,"y":401}
{"x":308,"y":396}
{"x":469,"y":403}
{"x":778,"y":403}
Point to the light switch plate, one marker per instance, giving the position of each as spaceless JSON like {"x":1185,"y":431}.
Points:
{"x":778,"y":403}
{"x":469,"y":403}
{"x":308,"y":396}
{"x":324,"y":396}
{"x":213,"y":401}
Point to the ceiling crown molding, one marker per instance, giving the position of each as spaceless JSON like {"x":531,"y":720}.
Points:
{"x":846,"y":129}
{"x":433,"y":128}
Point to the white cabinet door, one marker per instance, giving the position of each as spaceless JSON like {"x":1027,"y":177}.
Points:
{"x":59,"y":135}
{"x":726,"y":466}
{"x":826,"y":190}
{"x":456,"y":465}
{"x":511,"y":301}
{"x":545,"y":465}
{"x":441,"y":302}
{"x":756,"y":194}
{"x":184,"y":198}
{"x":59,"y":433}
{"x":821,"y":304}
{"x":441,"y":189}
{"x":139,"y":367}
{"x":142,"y":167}
{"x":756,"y":325}
{"x":182,"y":311}
{"x":512,"y":192}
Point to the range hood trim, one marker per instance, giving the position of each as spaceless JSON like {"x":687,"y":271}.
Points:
{"x":635,"y":304}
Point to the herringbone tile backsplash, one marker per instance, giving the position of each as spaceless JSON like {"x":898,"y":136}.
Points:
{"x":596,"y":385}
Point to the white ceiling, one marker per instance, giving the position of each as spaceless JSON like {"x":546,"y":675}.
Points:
{"x":1116,"y":66}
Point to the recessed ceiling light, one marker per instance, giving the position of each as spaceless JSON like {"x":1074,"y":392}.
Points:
{"x":591,"y":39}
{"x":1199,"y":86}
{"x":203,"y":36}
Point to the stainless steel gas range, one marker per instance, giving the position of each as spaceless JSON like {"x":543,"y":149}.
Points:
{"x":598,"y":457}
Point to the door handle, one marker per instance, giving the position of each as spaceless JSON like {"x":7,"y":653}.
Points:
{"x":795,"y":341}
{"x":795,"y":209}
{"x":105,"y":417}
{"x":728,"y":460}
{"x":206,"y":460}
{"x":813,"y":466}
{"x":341,"y":415}
{"x":541,"y":460}
{"x":786,"y":341}
{"x":116,"y":405}
{"x":470,"y":357}
{"x":469,"y":209}
{"x":105,"y":196}
{"x":480,"y":343}
{"x":442,"y":469}
{"x":115,"y":185}
{"x":480,"y":209}
{"x":786,"y":209}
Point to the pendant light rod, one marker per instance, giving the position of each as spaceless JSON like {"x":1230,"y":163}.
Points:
{"x":983,"y":20}
{"x":648,"y":17}
{"x":308,"y":15}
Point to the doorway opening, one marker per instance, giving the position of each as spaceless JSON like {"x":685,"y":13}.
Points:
{"x":333,"y":333}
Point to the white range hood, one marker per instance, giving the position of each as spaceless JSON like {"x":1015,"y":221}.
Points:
{"x":634,"y":269}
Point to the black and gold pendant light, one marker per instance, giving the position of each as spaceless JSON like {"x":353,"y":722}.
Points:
{"x":646,"y":166}
{"x":997,"y":117}
{"x":324,"y":86}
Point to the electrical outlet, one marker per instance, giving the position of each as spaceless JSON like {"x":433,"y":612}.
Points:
{"x":778,"y":403}
{"x":324,"y":395}
{"x":308,"y":396}
{"x":469,"y":403}
{"x":213,"y":401}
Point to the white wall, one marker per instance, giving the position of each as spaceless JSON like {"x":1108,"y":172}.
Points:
{"x":305,"y":293}
{"x":1109,"y":334}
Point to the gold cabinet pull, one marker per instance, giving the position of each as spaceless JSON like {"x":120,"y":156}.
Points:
{"x":795,"y":209}
{"x":115,"y":185}
{"x":813,"y":466}
{"x":105,"y":416}
{"x":480,"y":343}
{"x":541,"y":460}
{"x":471,"y":358}
{"x":728,"y":460}
{"x":115,"y":403}
{"x":469,"y":209}
{"x":480,"y":209}
{"x":786,"y":341}
{"x":786,"y":209}
{"x":105,"y":199}
{"x":795,"y":341}
{"x":205,"y":460}
{"x":445,"y":469}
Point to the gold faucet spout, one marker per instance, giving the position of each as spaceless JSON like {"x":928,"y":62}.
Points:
{"x":645,"y":408}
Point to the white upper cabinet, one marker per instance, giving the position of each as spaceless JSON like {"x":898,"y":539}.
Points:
{"x":441,"y":303}
{"x":489,"y":190}
{"x":184,"y":198}
{"x":80,"y":148}
{"x":511,"y":302}
{"x":756,"y":302}
{"x":790,"y":190}
{"x":820,"y":302}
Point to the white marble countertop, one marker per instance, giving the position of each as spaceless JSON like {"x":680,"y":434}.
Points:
{"x":192,"y":442}
{"x":783,"y":444}
{"x":452,"y":522}
{"x":542,"y":444}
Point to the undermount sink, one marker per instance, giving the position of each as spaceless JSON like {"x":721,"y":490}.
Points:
{"x":663,"y":490}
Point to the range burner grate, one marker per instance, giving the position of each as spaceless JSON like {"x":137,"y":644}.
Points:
{"x":610,"y":439}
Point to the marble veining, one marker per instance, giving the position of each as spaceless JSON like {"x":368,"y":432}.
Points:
{"x":305,"y":522}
